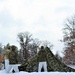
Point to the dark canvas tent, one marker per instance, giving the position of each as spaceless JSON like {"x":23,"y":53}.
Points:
{"x":53,"y":64}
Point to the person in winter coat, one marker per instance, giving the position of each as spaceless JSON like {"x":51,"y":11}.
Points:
{"x":6,"y":58}
{"x":0,"y":61}
{"x":42,"y":58}
{"x":13,"y":59}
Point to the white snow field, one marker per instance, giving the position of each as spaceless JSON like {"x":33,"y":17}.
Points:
{"x":2,"y":72}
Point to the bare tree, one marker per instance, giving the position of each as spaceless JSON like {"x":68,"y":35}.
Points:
{"x":47,"y":44}
{"x":24,"y":40}
{"x":34,"y":46}
{"x":69,"y":40}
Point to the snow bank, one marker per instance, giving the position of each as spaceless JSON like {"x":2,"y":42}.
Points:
{"x":2,"y":72}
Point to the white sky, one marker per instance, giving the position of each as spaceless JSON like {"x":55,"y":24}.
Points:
{"x":44,"y":19}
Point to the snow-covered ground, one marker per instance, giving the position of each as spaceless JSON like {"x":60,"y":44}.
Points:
{"x":2,"y":72}
{"x":72,"y":66}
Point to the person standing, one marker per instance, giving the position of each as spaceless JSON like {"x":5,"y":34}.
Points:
{"x":42,"y":58}
{"x":0,"y":61}
{"x":6,"y":58}
{"x":13,"y":59}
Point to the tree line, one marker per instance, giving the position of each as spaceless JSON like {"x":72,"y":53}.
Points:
{"x":30,"y":46}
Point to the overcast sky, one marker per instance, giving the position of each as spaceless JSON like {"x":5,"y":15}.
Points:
{"x":44,"y":19}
